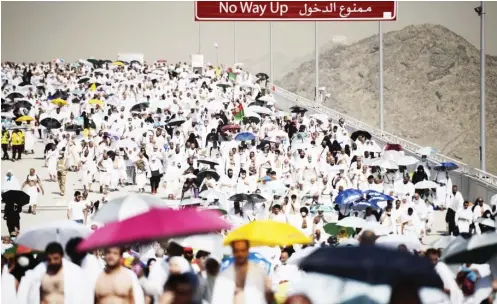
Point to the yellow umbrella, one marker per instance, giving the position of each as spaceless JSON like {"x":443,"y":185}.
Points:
{"x":25,"y":118}
{"x":60,"y":102}
{"x":96,"y":102}
{"x":118,"y":63}
{"x":267,"y":233}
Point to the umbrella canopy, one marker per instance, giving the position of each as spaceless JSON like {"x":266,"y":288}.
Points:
{"x":261,"y":110}
{"x":38,"y":237}
{"x":268,"y":98}
{"x":443,"y":242}
{"x":480,"y":249}
{"x":348,"y":196}
{"x":373,"y":265}
{"x":359,"y":133}
{"x":230,"y":128}
{"x":245,"y":136}
{"x":18,"y":197}
{"x":426,"y":184}
{"x":251,"y":198}
{"x":202,"y":174}
{"x":176,"y":122}
{"x":446,"y":166}
{"x":353,"y":222}
{"x":139,"y":107}
{"x":385,"y":164}
{"x":50,"y":123}
{"x":372,"y":194}
{"x":25,"y":118}
{"x":297,"y":109}
{"x":23,"y":104}
{"x":406,"y":160}
{"x":334,"y":229}
{"x":212,"y":243}
{"x":211,"y":195}
{"x":156,"y":224}
{"x":15,"y":95}
{"x":96,"y":102}
{"x":267,"y":233}
{"x":393,"y":147}
{"x":426,"y":151}
{"x":59,"y":102}
{"x":207,"y":161}
{"x":394,"y":240}
{"x":127,"y":206}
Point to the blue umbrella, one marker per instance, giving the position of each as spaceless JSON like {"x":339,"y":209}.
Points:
{"x":372,"y":194}
{"x":363,"y":205}
{"x":254,"y":257}
{"x":373,"y":265}
{"x":446,"y":166}
{"x":348,"y":196}
{"x":245,"y":136}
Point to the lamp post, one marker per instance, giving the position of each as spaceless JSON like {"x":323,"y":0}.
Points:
{"x":316,"y":49}
{"x":481,"y":12}
{"x":216,"y":46}
{"x":380,"y":80}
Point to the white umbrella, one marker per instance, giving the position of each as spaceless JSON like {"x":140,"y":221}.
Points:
{"x":353,"y":222}
{"x":320,"y":117}
{"x":348,"y":242}
{"x":406,"y":160}
{"x":443,"y":241}
{"x":426,"y":184}
{"x":212,"y":243}
{"x":7,"y":115}
{"x":277,"y":133}
{"x":38,"y":237}
{"x":394,"y":240}
{"x":486,"y":221}
{"x":385,"y":164}
{"x":260,"y":110}
{"x":211,"y":195}
{"x":127,"y":206}
{"x":300,"y":255}
{"x":426,"y":151}
{"x":268,"y":99}
{"x":493,"y":200}
{"x":191,"y":201}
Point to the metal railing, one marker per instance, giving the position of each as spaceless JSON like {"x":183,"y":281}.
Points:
{"x":385,"y":136}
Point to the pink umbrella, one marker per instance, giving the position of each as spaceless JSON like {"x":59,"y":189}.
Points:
{"x":157,"y":223}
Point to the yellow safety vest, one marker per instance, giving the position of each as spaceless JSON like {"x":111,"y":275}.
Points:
{"x":5,"y":138}
{"x":22,"y":137}
{"x":16,"y":139}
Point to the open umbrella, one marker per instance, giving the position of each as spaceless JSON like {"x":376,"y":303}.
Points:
{"x":83,"y":80}
{"x":370,"y":194}
{"x":268,"y":98}
{"x":230,"y":128}
{"x":176,"y":122}
{"x":23,"y":103}
{"x":480,"y":249}
{"x":224,"y":86}
{"x":348,"y":196}
{"x":393,"y":147}
{"x":252,"y":198}
{"x":50,"y":123}
{"x":139,"y":107}
{"x":59,"y":102}
{"x":25,"y":118}
{"x":209,"y":162}
{"x":385,"y":164}
{"x":18,"y":197}
{"x":373,"y":265}
{"x":426,"y":151}
{"x":262,"y":76}
{"x":297,"y":109}
{"x":127,"y":206}
{"x":405,"y":160}
{"x":394,"y":240}
{"x":202,"y":174}
{"x":267,"y":233}
{"x":156,"y":224}
{"x":96,"y":102}
{"x":426,"y":184}
{"x":446,"y":166}
{"x":14,"y":95}
{"x":359,"y":133}
{"x":245,"y":136}
{"x":261,"y":110}
{"x":334,"y":229}
{"x":212,"y":243}
{"x":38,"y":237}
{"x":353,"y":222}
{"x":211,"y":195}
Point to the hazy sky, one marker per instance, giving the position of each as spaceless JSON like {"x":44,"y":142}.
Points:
{"x":36,"y":31}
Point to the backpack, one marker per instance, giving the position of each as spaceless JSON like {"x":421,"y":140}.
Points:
{"x":466,"y":279}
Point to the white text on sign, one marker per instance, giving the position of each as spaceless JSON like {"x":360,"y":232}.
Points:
{"x":251,"y":7}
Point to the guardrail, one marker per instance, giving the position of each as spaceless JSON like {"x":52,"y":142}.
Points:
{"x":483,"y":176}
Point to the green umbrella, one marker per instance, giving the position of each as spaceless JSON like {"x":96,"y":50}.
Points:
{"x":334,"y":229}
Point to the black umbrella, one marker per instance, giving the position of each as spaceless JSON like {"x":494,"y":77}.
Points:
{"x":95,"y":62}
{"x":251,"y":198}
{"x":203,"y":173}
{"x":176,"y":122}
{"x":257,"y":103}
{"x":297,"y":109}
{"x":250,"y":119}
{"x":6,"y":107}
{"x":84,"y":80}
{"x":15,"y":95}
{"x":358,"y":133}
{"x":76,"y":100}
{"x":135,"y":61}
{"x":373,"y":265}
{"x":139,"y":107}
{"x":15,"y":197}
{"x":209,"y":162}
{"x":23,"y":104}
{"x":50,"y":123}
{"x":479,"y":249}
{"x":257,"y":198}
{"x":74,"y":128}
{"x":262,"y":76}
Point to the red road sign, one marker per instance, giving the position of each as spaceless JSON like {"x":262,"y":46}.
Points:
{"x":295,"y":11}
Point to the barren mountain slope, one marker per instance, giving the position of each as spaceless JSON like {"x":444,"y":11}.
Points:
{"x":432,"y":88}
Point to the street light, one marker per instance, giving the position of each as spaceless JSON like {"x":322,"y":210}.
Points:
{"x":480,"y":11}
{"x":216,"y":46}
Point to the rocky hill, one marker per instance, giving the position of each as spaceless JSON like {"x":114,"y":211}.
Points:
{"x":432,"y":88}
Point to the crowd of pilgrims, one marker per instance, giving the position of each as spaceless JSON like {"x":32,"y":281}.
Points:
{"x":170,"y":131}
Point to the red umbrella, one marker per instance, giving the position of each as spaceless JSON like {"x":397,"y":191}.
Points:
{"x":162,"y":61}
{"x":230,"y":128}
{"x":393,"y":147}
{"x":156,"y":224}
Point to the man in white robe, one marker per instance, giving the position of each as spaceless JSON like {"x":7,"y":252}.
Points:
{"x":464,"y":218}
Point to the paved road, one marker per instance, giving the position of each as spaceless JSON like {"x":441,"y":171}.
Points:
{"x":51,"y":206}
